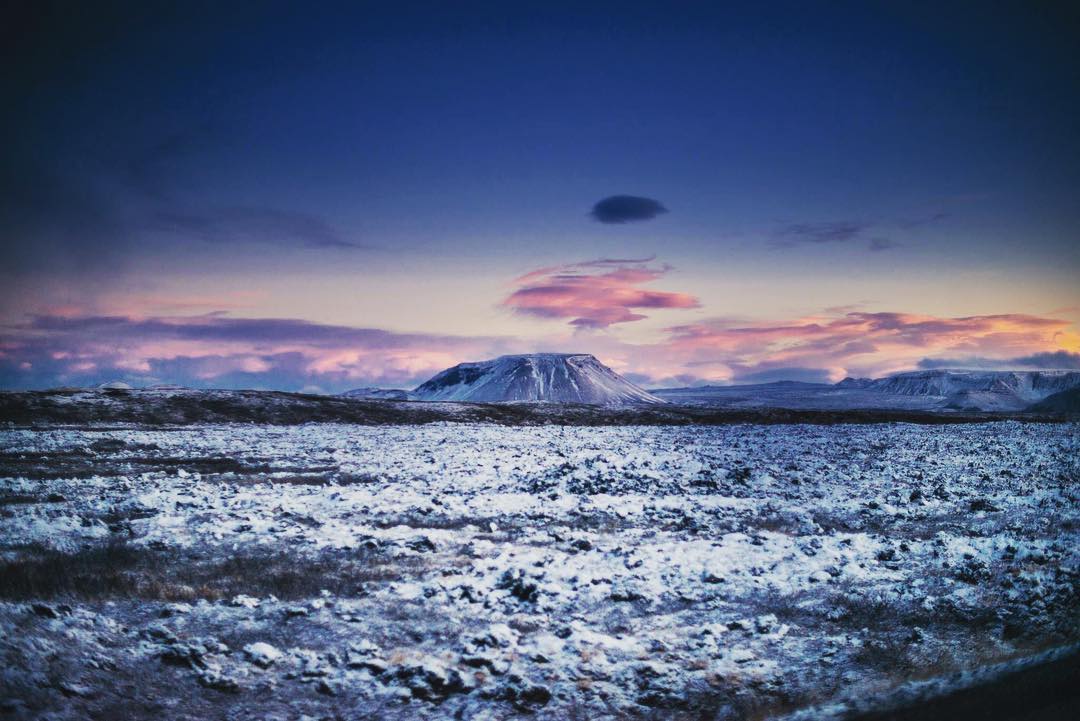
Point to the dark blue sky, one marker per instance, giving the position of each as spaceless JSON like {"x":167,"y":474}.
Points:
{"x":298,"y":150}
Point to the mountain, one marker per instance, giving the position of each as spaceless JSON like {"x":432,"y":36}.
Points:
{"x":928,"y":390}
{"x":383,"y":394}
{"x":114,"y":386}
{"x":1029,"y":385}
{"x":1063,"y":402}
{"x":979,"y":389}
{"x":548,"y":377}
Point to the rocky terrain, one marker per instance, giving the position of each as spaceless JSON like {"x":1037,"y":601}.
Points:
{"x":183,"y":406}
{"x":484,"y":571}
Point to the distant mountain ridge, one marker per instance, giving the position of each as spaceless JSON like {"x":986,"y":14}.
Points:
{"x":1065,"y":402}
{"x":543,"y":377}
{"x":937,"y":390}
{"x":943,"y":382}
{"x":384,"y":394}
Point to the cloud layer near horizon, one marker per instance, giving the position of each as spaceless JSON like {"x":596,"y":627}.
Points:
{"x":288,"y":354}
{"x":596,"y":293}
{"x":870,"y":344}
{"x":217,"y":351}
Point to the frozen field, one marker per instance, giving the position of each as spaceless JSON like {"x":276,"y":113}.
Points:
{"x":481,"y":571}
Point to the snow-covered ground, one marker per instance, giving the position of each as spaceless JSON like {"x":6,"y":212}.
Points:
{"x":483,"y":571}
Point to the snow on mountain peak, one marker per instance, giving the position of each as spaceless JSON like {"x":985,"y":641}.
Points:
{"x":549,"y":377}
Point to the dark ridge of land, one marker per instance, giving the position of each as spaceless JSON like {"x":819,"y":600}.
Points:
{"x":1045,"y":692}
{"x":162,"y":408}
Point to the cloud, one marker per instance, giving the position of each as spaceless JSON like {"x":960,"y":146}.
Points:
{"x":252,"y":224}
{"x":837,"y":232}
{"x":770,"y":373}
{"x":1056,"y":359}
{"x":864,"y":343}
{"x":598,"y":299}
{"x":218,"y":351}
{"x":1051,"y":360}
{"x":88,"y":218}
{"x":880,"y":244}
{"x":626,"y":209}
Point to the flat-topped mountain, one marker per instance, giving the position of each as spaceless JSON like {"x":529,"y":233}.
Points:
{"x":550,"y":377}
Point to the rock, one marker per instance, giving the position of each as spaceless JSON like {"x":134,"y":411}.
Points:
{"x":431,"y":680}
{"x":490,"y":660}
{"x":12,"y":706}
{"x":69,"y":688}
{"x":625,"y":590}
{"x":500,"y":635}
{"x":534,"y":696}
{"x":820,"y":577}
{"x":183,"y":654}
{"x":174,"y":609}
{"x":214,"y":678}
{"x":766,"y":623}
{"x":581,"y":544}
{"x":312,"y":665}
{"x":242,"y":601}
{"x":261,"y":654}
{"x":421,"y":544}
{"x":44,"y":610}
{"x":742,"y":655}
{"x":520,"y":587}
{"x":162,"y":633}
{"x":374,"y":664}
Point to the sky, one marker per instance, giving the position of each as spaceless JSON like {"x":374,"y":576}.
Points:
{"x":323,"y":196}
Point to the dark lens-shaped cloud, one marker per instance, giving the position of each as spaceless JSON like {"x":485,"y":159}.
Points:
{"x":626,"y":209}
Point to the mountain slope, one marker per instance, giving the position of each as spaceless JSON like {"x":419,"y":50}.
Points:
{"x":548,"y":377}
{"x":928,"y":390}
{"x":1066,"y":402}
{"x":979,"y":390}
{"x":1030,"y":385}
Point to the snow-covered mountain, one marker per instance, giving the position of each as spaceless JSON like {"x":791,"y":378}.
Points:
{"x":974,"y":389}
{"x":550,"y":377}
{"x":114,"y":386}
{"x":1066,"y":402}
{"x":1030,"y":385}
{"x":930,"y":390}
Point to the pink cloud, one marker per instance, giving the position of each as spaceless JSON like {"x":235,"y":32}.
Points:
{"x":607,"y":295}
{"x":862,"y":343}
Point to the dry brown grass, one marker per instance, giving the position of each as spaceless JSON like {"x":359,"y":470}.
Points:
{"x":117,"y":570}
